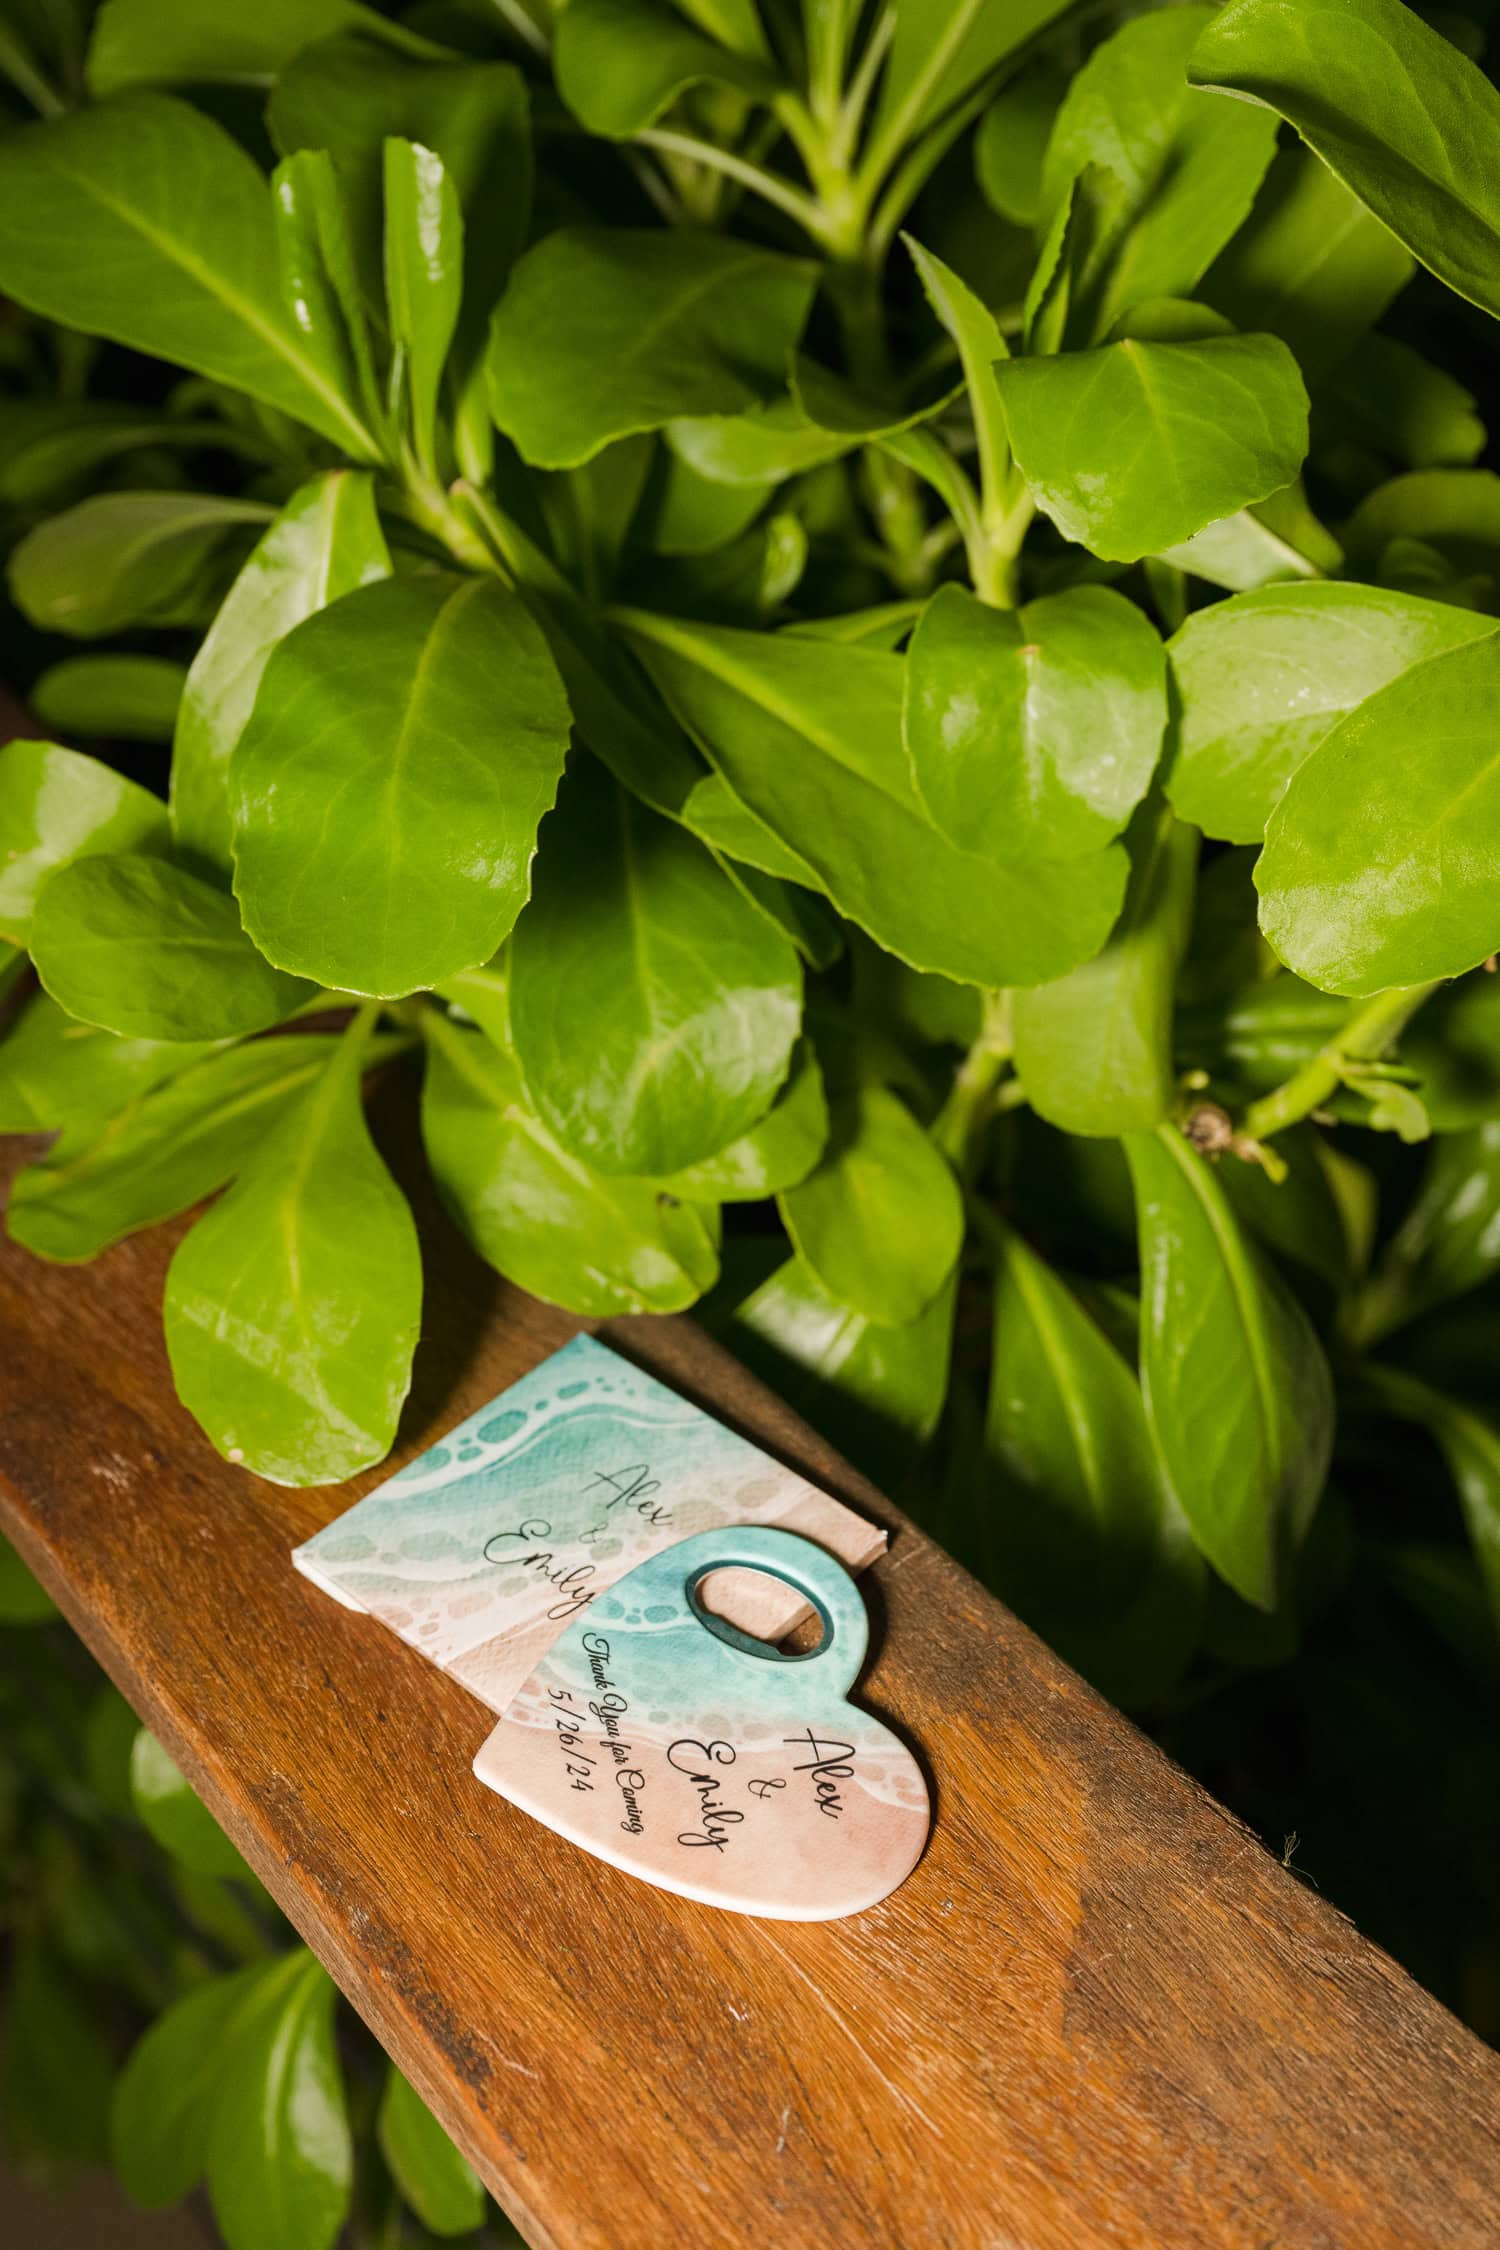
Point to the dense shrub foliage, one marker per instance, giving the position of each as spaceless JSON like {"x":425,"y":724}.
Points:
{"x":863,"y":637}
{"x":126,"y":1903}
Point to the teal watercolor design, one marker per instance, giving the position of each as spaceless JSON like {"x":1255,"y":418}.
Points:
{"x":673,"y":1647}
{"x":609,"y":1463}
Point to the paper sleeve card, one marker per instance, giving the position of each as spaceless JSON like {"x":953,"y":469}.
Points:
{"x":481,"y":1552}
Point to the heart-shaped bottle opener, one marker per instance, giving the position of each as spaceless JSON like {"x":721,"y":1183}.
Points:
{"x":664,"y":1740}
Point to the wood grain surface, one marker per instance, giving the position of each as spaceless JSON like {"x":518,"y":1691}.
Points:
{"x":1097,"y":2014}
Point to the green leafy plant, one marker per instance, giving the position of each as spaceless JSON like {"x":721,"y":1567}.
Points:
{"x":865,"y":637}
{"x":161,"y":2016}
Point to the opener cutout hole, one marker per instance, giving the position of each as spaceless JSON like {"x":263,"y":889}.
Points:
{"x":757,"y":1609}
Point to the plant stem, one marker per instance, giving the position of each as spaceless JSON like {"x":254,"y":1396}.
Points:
{"x":806,"y":134}
{"x":1369,"y":1030}
{"x":995,"y":554}
{"x":862,"y":84}
{"x":481,"y":506}
{"x":27,"y":76}
{"x":808,"y":214}
{"x":655,"y":184}
{"x":959,"y":1127}
{"x":890,"y":487}
{"x":427,"y":504}
{"x":530,"y":35}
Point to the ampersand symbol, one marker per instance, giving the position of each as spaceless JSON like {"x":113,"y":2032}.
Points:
{"x":760,"y":1788}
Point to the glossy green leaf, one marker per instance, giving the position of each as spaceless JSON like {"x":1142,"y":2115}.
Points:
{"x":1237,"y":1388}
{"x":1449,"y":1240}
{"x":790,"y":906}
{"x":776,"y":1153}
{"x":125,"y":698}
{"x":142,"y":947}
{"x":441,"y":2186}
{"x":179,"y":1821}
{"x":1060,"y":309}
{"x":928,"y":1010}
{"x":56,"y":1071}
{"x":1310,"y":265}
{"x":483,"y":995}
{"x":1136,"y":445}
{"x":1470,"y":1444}
{"x":653,"y":1009}
{"x":193,"y":42}
{"x":292,"y":1309}
{"x":347,"y":96}
{"x":975,"y":331}
{"x":616,"y":714}
{"x":1276,"y":542}
{"x":1182,"y":171}
{"x":386,"y":703}
{"x":857,"y":412}
{"x":164,"y":2098}
{"x":686,"y":324}
{"x":620,"y":63}
{"x":1094,"y":1049}
{"x":1393,"y":109}
{"x":325,"y":542}
{"x":50,"y":448}
{"x":541,"y":1217}
{"x":686,"y":513}
{"x":734,"y":23}
{"x":143,"y":221}
{"x":1086,"y":1538}
{"x":1169,"y":320}
{"x":755,"y":449}
{"x":880,"y":1221}
{"x":1302,"y":1216}
{"x":940,"y":50}
{"x":1034,"y":730}
{"x":1379,"y":866}
{"x":712,"y":810}
{"x":424,"y":274}
{"x":885,"y":625}
{"x":1011,"y":142}
{"x":1263,"y":678}
{"x":123,"y":558}
{"x":280,"y":2161}
{"x":161,"y":1152}
{"x":811,"y":742}
{"x":1455,"y":511}
{"x":593,"y":511}
{"x":57,"y":806}
{"x":1471,"y":1447}
{"x":1390,"y":397}
{"x":872,"y":1389}
{"x":319,"y":291}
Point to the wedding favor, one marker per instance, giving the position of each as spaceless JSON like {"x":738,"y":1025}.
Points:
{"x":483,"y":1549}
{"x":669,"y":1743}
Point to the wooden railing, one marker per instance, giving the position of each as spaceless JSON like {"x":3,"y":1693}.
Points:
{"x":1097,"y":2014}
